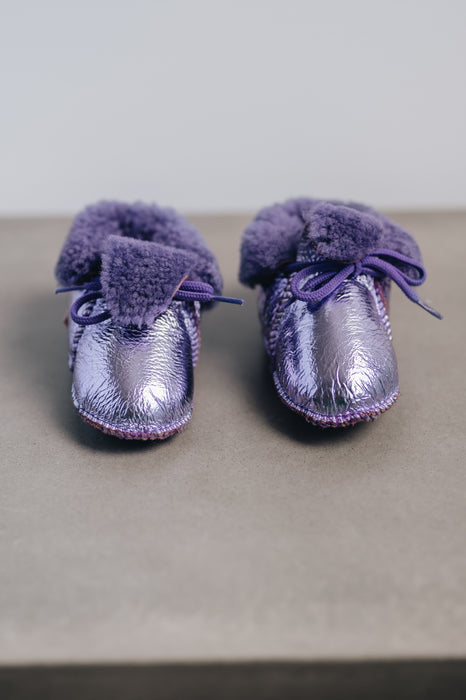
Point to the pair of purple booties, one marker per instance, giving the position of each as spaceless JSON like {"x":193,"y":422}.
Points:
{"x":140,"y":275}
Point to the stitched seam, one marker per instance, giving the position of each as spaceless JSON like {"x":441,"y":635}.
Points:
{"x":338,"y":419}
{"x":138,"y":432}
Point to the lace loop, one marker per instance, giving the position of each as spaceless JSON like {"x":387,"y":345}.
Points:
{"x":189,"y":290}
{"x":315,"y":282}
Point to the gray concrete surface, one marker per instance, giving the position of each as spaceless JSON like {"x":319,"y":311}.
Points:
{"x":252,"y":537}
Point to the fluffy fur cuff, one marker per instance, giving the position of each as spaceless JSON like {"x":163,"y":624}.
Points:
{"x":142,"y":253}
{"x":336,"y":230}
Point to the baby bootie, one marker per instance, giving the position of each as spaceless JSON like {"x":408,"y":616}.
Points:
{"x":324,"y":270}
{"x":140,"y":276}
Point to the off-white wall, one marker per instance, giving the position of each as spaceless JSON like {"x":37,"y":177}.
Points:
{"x":212,"y":104}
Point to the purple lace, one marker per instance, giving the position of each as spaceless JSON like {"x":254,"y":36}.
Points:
{"x":188,"y":291}
{"x":330,"y":275}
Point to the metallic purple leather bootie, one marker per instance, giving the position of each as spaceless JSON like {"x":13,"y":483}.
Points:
{"x":324,"y":270}
{"x":139,"y":277}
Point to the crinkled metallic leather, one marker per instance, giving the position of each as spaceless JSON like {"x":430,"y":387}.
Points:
{"x":136,"y":383}
{"x":335,"y":365}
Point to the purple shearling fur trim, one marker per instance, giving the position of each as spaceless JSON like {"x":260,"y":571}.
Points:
{"x":142,"y":253}
{"x":336,"y":230}
{"x":139,"y":278}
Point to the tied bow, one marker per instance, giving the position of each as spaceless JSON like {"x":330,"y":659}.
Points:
{"x":328,"y":276}
{"x":188,"y":291}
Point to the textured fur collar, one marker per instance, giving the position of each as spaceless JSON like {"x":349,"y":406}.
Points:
{"x":142,"y":254}
{"x":335,"y":230}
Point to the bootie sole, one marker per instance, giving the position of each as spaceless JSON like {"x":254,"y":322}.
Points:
{"x":338,"y":420}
